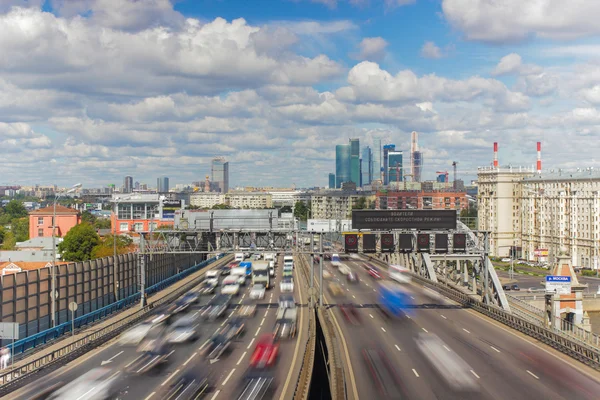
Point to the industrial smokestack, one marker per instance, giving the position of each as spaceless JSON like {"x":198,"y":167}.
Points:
{"x":495,"y":154}
{"x":539,"y":157}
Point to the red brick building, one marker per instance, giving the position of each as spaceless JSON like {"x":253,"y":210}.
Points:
{"x":40,"y":221}
{"x":420,"y":200}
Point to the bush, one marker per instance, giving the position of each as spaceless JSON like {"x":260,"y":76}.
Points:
{"x":587,"y":272}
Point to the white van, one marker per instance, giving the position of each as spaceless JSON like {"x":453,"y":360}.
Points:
{"x":239,"y":257}
{"x":288,"y":261}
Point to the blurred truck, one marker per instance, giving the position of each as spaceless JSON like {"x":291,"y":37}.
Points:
{"x":393,"y":299}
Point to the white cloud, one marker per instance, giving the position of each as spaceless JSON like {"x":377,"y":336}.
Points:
{"x":372,"y":48}
{"x":430,"y":50}
{"x":509,"y":64}
{"x":516,"y":20}
{"x":399,"y":3}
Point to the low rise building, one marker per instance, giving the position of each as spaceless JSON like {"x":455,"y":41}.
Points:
{"x":421,"y":200}
{"x":336,"y":204}
{"x":42,"y":221}
{"x":206,"y":199}
{"x":143,"y":212}
{"x":249,"y":200}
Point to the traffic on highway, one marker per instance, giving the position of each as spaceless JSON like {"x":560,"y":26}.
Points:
{"x":233,"y":336}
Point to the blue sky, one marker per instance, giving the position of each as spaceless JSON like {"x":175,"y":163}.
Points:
{"x":97,"y":89}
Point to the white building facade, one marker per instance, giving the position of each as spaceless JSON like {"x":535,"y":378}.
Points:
{"x":251,"y":200}
{"x":333,"y":205}
{"x":207,"y":199}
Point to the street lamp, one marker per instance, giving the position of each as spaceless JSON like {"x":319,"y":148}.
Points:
{"x":53,"y":271}
{"x":116,"y":283}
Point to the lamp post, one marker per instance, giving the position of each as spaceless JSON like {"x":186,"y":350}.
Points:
{"x":115,"y":260}
{"x":53,"y":271}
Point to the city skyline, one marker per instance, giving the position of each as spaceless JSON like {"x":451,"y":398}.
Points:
{"x":334,"y":70}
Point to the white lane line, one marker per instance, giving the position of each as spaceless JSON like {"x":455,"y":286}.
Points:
{"x":134,"y":360}
{"x":215,"y":395}
{"x":244,"y":295}
{"x":241,"y":358}
{"x":233,"y":312}
{"x":426,"y":331}
{"x":446,"y":347}
{"x":258,"y":330}
{"x":495,"y":349}
{"x":408,"y":316}
{"x":250,"y":345}
{"x":415,"y":372}
{"x":169,"y":378}
{"x":466,"y":330}
{"x":383,"y":329}
{"x":353,"y":296}
{"x":412,"y":297}
{"x":532,"y":374}
{"x":443,"y":316}
{"x":473,"y":372}
{"x":203,"y":345}
{"x":172,"y":351}
{"x":397,"y":347}
{"x":228,"y":376}
{"x":374,"y":290}
{"x":150,"y":395}
{"x":262,"y":322}
{"x":189,"y":359}
{"x":266,"y":312}
{"x":196,"y":313}
{"x":371,"y":315}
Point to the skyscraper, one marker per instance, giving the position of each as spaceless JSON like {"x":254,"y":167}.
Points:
{"x":342,"y":164}
{"x":220,"y":174}
{"x":366,"y":163}
{"x":395,"y":171}
{"x":376,"y":160}
{"x":128,"y":184}
{"x":355,"y":161}
{"x":162,"y":184}
{"x":416,"y":158}
{"x":386,"y":149}
{"x":331,"y":181}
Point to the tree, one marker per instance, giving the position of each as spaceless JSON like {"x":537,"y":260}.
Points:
{"x":106,"y":247}
{"x":88,"y":217}
{"x":15,"y":209}
{"x":79,"y":243}
{"x":9,"y":241}
{"x":301,"y":211}
{"x":221,"y":207}
{"x":20,"y":228}
{"x":2,"y":234}
{"x":360,"y":204}
{"x":102,"y":223}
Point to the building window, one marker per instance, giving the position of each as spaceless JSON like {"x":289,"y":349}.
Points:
{"x":138,"y":226}
{"x":123,"y":227}
{"x":40,"y":221}
{"x":41,"y":232}
{"x":124,"y":211}
{"x":138,"y":211}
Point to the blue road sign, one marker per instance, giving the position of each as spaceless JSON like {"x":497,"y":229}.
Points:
{"x":556,"y":278}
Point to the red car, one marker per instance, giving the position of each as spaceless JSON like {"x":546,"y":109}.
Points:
{"x":374,"y":272}
{"x":350,"y":313}
{"x":233,"y":265}
{"x":265,"y":353}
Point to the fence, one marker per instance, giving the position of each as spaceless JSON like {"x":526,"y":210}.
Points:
{"x":25,"y":296}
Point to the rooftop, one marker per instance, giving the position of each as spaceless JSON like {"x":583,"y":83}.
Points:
{"x":28,"y":266}
{"x":589,"y":175}
{"x":60,"y":210}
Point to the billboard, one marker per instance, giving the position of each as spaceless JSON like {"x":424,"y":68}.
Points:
{"x":403,"y":219}
{"x":541,"y":252}
{"x":558,"y":284}
{"x":369,"y":243}
{"x":328,"y":225}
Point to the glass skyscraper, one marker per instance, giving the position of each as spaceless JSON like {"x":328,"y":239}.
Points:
{"x":376,"y":160}
{"x":355,"y":161}
{"x":395,"y":166}
{"x":128,"y":184}
{"x":366,"y":164}
{"x":331,"y":181}
{"x":162,"y":184}
{"x":386,"y":150}
{"x":220,"y":174}
{"x":342,"y":164}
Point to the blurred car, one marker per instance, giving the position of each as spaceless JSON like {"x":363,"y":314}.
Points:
{"x":506,"y":287}
{"x":344,"y":269}
{"x":285,"y":323}
{"x":352,"y":277}
{"x":265,"y":353}
{"x":271,"y":269}
{"x":191,"y":385}
{"x":246,"y":310}
{"x":383,"y":374}
{"x":183,"y":330}
{"x":374,"y":272}
{"x":185,"y":301}
{"x":225,"y":270}
{"x":96,"y":384}
{"x":234,"y":328}
{"x":326,"y":274}
{"x":506,"y":260}
{"x":154,"y":338}
{"x":135,"y":335}
{"x":217,"y":345}
{"x":148,"y":361}
{"x":216,"y":307}
{"x":212,"y":274}
{"x":335,"y":289}
{"x":350,"y":313}
{"x":257,"y":292}
{"x":286,"y":285}
{"x":208,"y":286}
{"x":515,"y":287}
{"x":286,"y":300}
{"x":257,"y":384}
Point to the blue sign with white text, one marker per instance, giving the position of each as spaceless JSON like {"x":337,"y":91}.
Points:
{"x":555,"y":278}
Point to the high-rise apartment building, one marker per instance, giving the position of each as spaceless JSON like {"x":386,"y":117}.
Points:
{"x":128,"y":184}
{"x":355,"y":161}
{"x":162,"y":184}
{"x":395,"y":171}
{"x":377,"y":161}
{"x":220,"y":174}
{"x":342,"y":164}
{"x":366,"y":163}
{"x":386,"y":150}
{"x":331,"y":181}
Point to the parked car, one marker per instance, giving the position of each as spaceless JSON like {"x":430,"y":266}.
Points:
{"x":515,"y":287}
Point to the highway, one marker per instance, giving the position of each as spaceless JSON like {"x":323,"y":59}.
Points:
{"x":225,"y":373}
{"x":503,"y":364}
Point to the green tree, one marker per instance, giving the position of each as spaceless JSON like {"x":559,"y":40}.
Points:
{"x":15,"y":209}
{"x":20,"y":228}
{"x":88,"y":217}
{"x":9,"y":241}
{"x":2,"y":234}
{"x":105,"y":247}
{"x":221,"y":207}
{"x":360,"y":204}
{"x":301,"y":211}
{"x":102,"y":223}
{"x":79,"y":243}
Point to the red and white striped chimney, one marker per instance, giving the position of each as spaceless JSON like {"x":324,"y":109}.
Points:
{"x":495,"y":154}
{"x":539,"y":157}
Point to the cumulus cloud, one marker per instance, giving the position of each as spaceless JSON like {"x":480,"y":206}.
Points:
{"x":509,"y":64}
{"x":516,"y":20}
{"x":372,"y":48}
{"x":430,"y":50}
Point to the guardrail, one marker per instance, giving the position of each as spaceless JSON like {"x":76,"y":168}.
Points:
{"x":10,"y":379}
{"x":573,"y":347}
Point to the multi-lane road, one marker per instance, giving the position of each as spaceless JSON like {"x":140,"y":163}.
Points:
{"x":226,"y":373}
{"x":503,"y":364}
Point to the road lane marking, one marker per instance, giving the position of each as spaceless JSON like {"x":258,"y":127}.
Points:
{"x":203,"y":345}
{"x":443,"y":316}
{"x":169,"y":378}
{"x":446,"y":347}
{"x":374,"y":290}
{"x":189,"y":359}
{"x":412,"y":297}
{"x":228,"y":376}
{"x":196,"y":313}
{"x":262,"y":322}
{"x":233,"y":312}
{"x":466,"y":330}
{"x":150,"y":395}
{"x":134,"y":360}
{"x":532,"y":374}
{"x":250,"y":345}
{"x":353,"y":296}
{"x":258,"y":330}
{"x":241,"y":358}
{"x":397,"y":347}
{"x":473,"y":372}
{"x":266,"y":312}
{"x":495,"y":349}
{"x":215,"y":395}
{"x":244,"y":295}
{"x":408,"y":316}
{"x":371,"y":315}
{"x":426,"y":331}
{"x":415,"y":372}
{"x":383,"y":329}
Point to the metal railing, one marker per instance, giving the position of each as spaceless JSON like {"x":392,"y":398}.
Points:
{"x":9,"y":380}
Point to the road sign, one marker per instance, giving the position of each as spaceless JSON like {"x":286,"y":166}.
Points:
{"x":403,"y":219}
{"x":558,"y":284}
{"x":73,"y":306}
{"x":9,"y":330}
